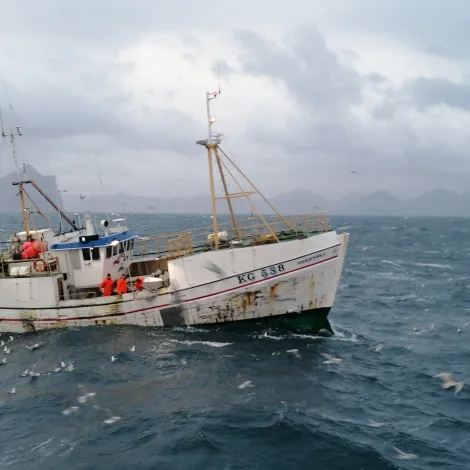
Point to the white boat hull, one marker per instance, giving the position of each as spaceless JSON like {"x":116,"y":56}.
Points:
{"x":295,"y":278}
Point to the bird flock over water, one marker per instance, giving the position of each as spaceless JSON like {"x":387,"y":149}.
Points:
{"x":86,"y":397}
{"x":447,"y":378}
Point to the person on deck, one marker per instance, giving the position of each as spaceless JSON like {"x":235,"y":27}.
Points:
{"x":139,"y":283}
{"x":106,"y":286}
{"x":122,"y":285}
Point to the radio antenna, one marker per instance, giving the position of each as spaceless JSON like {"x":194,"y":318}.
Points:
{"x":1,"y":122}
{"x":218,"y":75}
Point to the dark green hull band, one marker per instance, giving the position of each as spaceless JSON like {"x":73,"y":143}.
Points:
{"x":312,"y":321}
{"x":309,"y":321}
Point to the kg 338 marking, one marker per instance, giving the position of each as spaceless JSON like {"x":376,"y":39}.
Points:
{"x":265,"y":273}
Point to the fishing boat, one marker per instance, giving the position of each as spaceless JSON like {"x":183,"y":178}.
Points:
{"x":255,"y":268}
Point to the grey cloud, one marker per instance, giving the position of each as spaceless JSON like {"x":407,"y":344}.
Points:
{"x":71,"y":95}
{"x":311,"y":72}
{"x":326,"y":135}
{"x":384,"y":111}
{"x":324,"y":88}
{"x":426,"y":92}
{"x":423,"y":93}
{"x":72,"y":99}
{"x":433,"y":26}
{"x":376,"y":78}
{"x":116,"y":24}
{"x":59,"y":113}
{"x":222,"y":69}
{"x":304,"y":138}
{"x":86,"y":21}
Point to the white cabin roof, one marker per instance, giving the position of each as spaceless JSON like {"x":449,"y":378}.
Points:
{"x":33,"y":232}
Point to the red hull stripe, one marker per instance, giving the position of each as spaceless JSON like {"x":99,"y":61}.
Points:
{"x":157,"y":307}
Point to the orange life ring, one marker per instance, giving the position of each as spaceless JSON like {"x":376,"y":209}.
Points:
{"x":38,"y":266}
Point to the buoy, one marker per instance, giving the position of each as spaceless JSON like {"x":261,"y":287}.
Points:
{"x":30,"y":251}
{"x":26,"y":245}
{"x":39,"y":246}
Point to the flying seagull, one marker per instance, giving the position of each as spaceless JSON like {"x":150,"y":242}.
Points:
{"x":246,"y":384}
{"x":448,"y":381}
{"x":403,"y":455}
{"x":331,"y":360}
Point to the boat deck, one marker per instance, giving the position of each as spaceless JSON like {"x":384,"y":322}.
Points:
{"x":247,"y":232}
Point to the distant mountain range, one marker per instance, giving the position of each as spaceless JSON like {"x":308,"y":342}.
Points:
{"x":439,"y":202}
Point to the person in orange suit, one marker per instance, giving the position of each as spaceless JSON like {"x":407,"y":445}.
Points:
{"x":139,"y":283}
{"x":106,"y":286}
{"x":122,"y":285}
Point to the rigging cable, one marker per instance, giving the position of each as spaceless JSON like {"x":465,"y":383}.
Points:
{"x":101,"y":184}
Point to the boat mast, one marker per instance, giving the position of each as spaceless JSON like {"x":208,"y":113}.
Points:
{"x":24,"y":210}
{"x":210,"y":144}
{"x":212,"y":150}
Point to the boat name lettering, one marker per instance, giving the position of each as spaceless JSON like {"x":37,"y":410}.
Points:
{"x":242,"y":278}
{"x":312,"y":258}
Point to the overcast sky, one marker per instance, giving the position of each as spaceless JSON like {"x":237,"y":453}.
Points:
{"x":311,"y":91}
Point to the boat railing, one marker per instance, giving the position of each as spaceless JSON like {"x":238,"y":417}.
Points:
{"x":181,"y":245}
{"x":246,"y":232}
{"x":28,"y":267}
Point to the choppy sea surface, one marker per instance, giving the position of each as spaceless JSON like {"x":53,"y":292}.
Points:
{"x":236,"y":398}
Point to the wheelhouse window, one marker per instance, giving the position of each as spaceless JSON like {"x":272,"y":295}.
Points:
{"x":86,"y":254}
{"x":95,"y":253}
{"x":115,"y":249}
{"x":109,"y":251}
{"x":121,"y":247}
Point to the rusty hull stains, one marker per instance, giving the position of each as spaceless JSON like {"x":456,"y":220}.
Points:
{"x":241,"y":302}
{"x":318,"y":301}
{"x":273,"y":291}
{"x":28,"y":326}
{"x":112,"y":309}
{"x":107,"y":321}
{"x":313,"y":299}
{"x":237,"y":304}
{"x":312,"y":282}
{"x":29,"y":315}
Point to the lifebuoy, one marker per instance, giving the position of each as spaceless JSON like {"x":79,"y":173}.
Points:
{"x":38,"y":266}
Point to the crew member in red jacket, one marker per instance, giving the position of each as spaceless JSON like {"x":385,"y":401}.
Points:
{"x":106,"y":286}
{"x":139,"y":283}
{"x":121,"y":285}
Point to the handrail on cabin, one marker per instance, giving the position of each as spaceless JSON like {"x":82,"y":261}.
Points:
{"x":248,"y":230}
